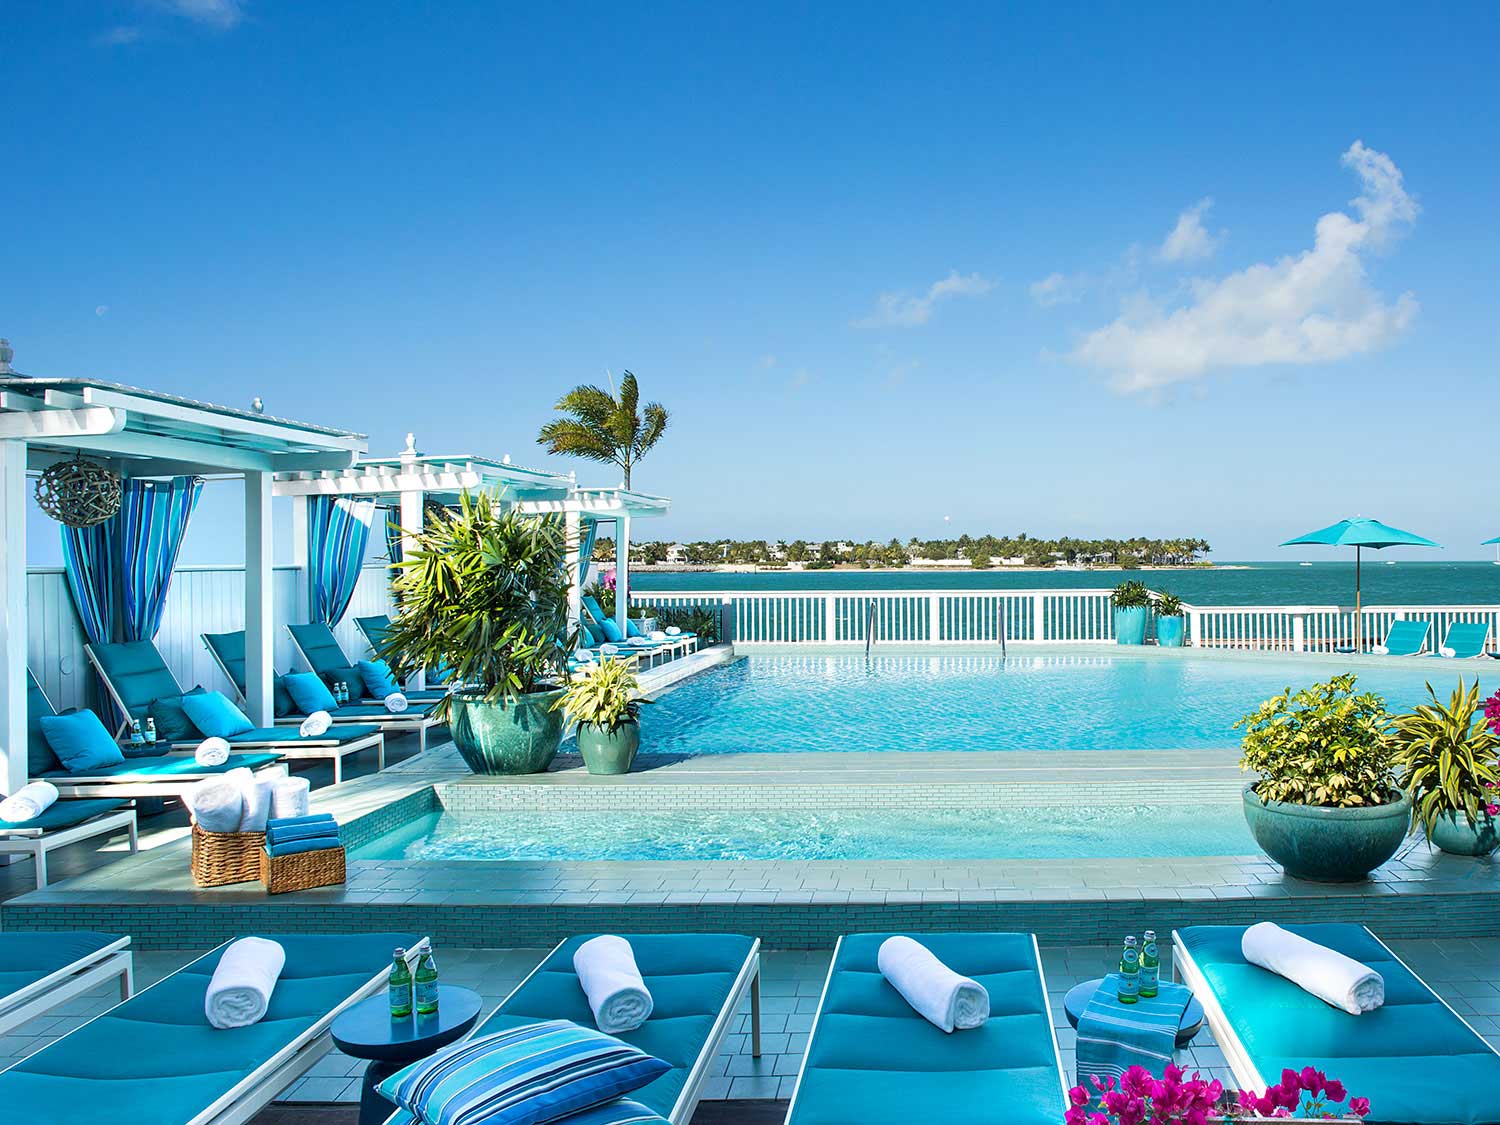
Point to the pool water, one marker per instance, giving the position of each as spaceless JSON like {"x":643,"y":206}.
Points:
{"x":1114,"y":700}
{"x":748,"y":834}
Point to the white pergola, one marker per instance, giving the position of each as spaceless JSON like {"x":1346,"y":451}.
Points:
{"x":141,"y":433}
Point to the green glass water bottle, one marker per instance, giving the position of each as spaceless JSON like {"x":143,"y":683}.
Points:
{"x":425,"y":987}
{"x":1150,"y":965}
{"x":1130,"y":973}
{"x":400,"y":986}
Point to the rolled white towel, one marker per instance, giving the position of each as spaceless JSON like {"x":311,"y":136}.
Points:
{"x":673,"y":630}
{"x":212,"y":752}
{"x":608,"y":649}
{"x":1450,"y":653}
{"x":1380,"y":650}
{"x":257,"y":793}
{"x":28,"y":802}
{"x":290,"y":796}
{"x":658,"y":635}
{"x":315,"y":725}
{"x":942,"y":997}
{"x":1325,"y":973}
{"x":240,"y":991}
{"x":395,"y":703}
{"x":218,"y":803}
{"x":607,"y":971}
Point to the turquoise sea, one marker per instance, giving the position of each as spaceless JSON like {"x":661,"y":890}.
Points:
{"x":1256,"y":583}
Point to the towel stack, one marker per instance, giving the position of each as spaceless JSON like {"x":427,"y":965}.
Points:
{"x":234,"y":801}
{"x":293,"y":834}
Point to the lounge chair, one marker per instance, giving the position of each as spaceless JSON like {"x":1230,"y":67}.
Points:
{"x":136,"y":676}
{"x":1465,"y":639}
{"x":697,"y":984}
{"x":871,"y":1058}
{"x":155,"y":1060}
{"x":602,"y":629}
{"x":1415,"y":1058}
{"x":64,"y":823}
{"x":155,"y":774}
{"x":40,"y":970}
{"x":1405,"y":638}
{"x":374,"y":629}
{"x":325,"y":656}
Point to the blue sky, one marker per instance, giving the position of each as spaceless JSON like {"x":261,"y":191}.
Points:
{"x":1221,"y":270}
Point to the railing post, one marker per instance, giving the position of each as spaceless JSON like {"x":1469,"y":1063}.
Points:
{"x":726,"y":619}
{"x":830,"y":617}
{"x":934,"y":611}
{"x":1038,"y":618}
{"x":1299,"y":632}
{"x":1195,"y":628}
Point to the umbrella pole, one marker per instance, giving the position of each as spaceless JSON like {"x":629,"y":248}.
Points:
{"x":1359,"y":622}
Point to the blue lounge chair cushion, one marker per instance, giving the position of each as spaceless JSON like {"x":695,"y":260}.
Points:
{"x":309,"y":692}
{"x":1412,"y":1057}
{"x":214,"y":716}
{"x":80,"y":741}
{"x":338,"y":733}
{"x":62,"y":814}
{"x":873,"y":1059}
{"x":39,"y":756}
{"x":346,"y":674}
{"x":526,"y":1075}
{"x":172,"y":722}
{"x":165,"y":767}
{"x":137,"y":672}
{"x":375,"y":678}
{"x":155,"y":1059}
{"x":622,"y":1112}
{"x":26,"y":956}
{"x":690,"y":976}
{"x":1466,"y":639}
{"x":229,"y":648}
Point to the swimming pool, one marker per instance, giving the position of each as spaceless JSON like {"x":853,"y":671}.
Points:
{"x":1114,"y":699}
{"x":805,"y":834}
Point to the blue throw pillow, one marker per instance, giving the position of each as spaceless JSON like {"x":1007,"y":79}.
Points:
{"x":172,"y":722}
{"x":80,"y":741}
{"x":529,"y":1075}
{"x":281,"y":699}
{"x":611,"y":630}
{"x":308,"y":692}
{"x":379,"y":682}
{"x":214,"y":716}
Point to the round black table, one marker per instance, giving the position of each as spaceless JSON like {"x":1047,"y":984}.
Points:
{"x":367,"y":1031}
{"x":1079,"y":995}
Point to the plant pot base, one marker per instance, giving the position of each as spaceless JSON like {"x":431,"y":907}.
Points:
{"x":1457,"y":836}
{"x":609,"y":752}
{"x":1327,"y":845}
{"x":515,"y":737}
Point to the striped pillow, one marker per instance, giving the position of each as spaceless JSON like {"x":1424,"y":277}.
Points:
{"x":528,"y":1075}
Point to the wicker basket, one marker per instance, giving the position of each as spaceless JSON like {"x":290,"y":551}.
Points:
{"x":301,"y":871}
{"x":222,"y":858}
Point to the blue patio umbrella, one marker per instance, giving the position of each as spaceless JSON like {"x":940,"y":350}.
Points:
{"x":1359,"y":534}
{"x":1496,"y":541}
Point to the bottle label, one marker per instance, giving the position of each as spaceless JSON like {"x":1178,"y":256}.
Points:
{"x":400,"y":993}
{"x":427,"y":996}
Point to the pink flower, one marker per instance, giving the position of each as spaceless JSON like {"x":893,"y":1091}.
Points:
{"x":1078,"y":1096}
{"x":1335,"y":1090}
{"x":1492,"y":810}
{"x":1312,"y":1080}
{"x":1360,"y":1107}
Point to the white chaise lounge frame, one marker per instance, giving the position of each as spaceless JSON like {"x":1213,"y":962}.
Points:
{"x":83,"y":975}
{"x":37,"y":842}
{"x":396,"y":722}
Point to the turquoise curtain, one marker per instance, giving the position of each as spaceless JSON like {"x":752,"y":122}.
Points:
{"x":393,"y":534}
{"x":119,"y":571}
{"x":338,"y":531}
{"x":588,"y":532}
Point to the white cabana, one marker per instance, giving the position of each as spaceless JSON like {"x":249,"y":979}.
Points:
{"x":140,"y":433}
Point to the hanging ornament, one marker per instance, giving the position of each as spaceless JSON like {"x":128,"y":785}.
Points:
{"x":79,"y":493}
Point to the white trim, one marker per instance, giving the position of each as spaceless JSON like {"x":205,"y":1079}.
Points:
{"x":61,"y":985}
{"x":1041,"y":974}
{"x":812,"y":1032}
{"x":1235,"y":1052}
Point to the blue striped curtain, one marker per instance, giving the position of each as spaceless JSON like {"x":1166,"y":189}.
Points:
{"x":393,"y":536}
{"x":337,"y":533}
{"x":588,"y":532}
{"x":119,"y":571}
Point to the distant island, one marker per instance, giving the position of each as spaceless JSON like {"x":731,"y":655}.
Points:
{"x":982,"y":552}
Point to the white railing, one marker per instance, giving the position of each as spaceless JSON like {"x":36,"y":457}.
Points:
{"x":1326,"y":628}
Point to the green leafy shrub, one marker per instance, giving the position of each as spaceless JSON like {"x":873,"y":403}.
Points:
{"x":605,"y":696}
{"x":1130,"y":595}
{"x":1322,"y":745}
{"x":1168,"y":605}
{"x":1446,"y":753}
{"x":699,"y":619}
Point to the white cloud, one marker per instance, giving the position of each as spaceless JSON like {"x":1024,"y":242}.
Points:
{"x":1057,"y":289}
{"x":906,"y":311}
{"x":1189,"y":240}
{"x":100,"y":310}
{"x":222,"y":14}
{"x":118,"y":37}
{"x":1312,"y":307}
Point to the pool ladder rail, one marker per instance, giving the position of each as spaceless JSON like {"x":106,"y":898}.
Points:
{"x":870,"y":628}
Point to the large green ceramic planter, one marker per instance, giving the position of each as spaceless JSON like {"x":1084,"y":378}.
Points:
{"x":608,"y":751}
{"x":1130,"y":624}
{"x":518,"y":736}
{"x":1324,"y":844}
{"x":1457,"y":836}
{"x":1169,"y":631}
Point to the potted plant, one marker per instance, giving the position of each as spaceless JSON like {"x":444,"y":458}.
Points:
{"x":1132,"y":603}
{"x":603,"y":701}
{"x":485,"y":594}
{"x":1446,"y":753}
{"x":1169,"y":620}
{"x":1326,"y":805}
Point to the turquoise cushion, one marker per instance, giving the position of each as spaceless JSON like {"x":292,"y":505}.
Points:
{"x":622,"y":1112}
{"x":346,"y":674}
{"x":282,"y":702}
{"x":1412,"y":1057}
{"x":39,"y":756}
{"x":172,"y":722}
{"x":527,"y":1075}
{"x":376,"y":678}
{"x":80,"y":741}
{"x":308,"y":692}
{"x":214,"y":716}
{"x":610,"y":629}
{"x":28,"y":956}
{"x":164,"y":767}
{"x":63,"y":814}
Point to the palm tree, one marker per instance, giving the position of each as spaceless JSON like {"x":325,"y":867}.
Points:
{"x":604,"y":428}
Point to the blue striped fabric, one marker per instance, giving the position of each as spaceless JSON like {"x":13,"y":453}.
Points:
{"x":528,"y":1075}
{"x":338,"y":530}
{"x":587,"y":533}
{"x":1113,"y":1037}
{"x":393,"y":536}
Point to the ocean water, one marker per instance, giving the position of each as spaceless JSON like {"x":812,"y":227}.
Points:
{"x":1326,"y":582}
{"x":842,"y":834}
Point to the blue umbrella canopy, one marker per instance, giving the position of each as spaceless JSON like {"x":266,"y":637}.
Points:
{"x":1487,"y":542}
{"x":1361,"y":533}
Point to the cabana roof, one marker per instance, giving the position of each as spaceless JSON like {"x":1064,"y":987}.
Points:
{"x":155,"y":434}
{"x":603,"y":504}
{"x":441,"y":478}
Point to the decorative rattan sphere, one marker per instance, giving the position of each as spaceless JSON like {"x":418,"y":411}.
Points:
{"x":79,"y":493}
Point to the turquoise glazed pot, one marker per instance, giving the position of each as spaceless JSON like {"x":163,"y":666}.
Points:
{"x":608,"y":751}
{"x":1130,"y":624}
{"x":516,"y":736}
{"x":1457,"y":836}
{"x":1327,"y":845}
{"x":1169,"y":632}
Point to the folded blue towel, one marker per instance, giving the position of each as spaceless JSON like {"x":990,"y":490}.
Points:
{"x":293,"y":847}
{"x":288,"y":821}
{"x":303,"y":832}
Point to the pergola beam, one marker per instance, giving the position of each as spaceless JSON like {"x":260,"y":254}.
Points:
{"x":75,"y":425}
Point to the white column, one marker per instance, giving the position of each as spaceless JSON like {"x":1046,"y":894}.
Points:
{"x":572,"y":537}
{"x":299,"y":559}
{"x":13,"y":621}
{"x":622,"y":573}
{"x":413,"y":515}
{"x":260,"y":622}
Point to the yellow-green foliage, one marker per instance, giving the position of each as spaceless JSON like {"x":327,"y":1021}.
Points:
{"x":1323,"y":745}
{"x":604,"y":696}
{"x":1447,"y":757}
